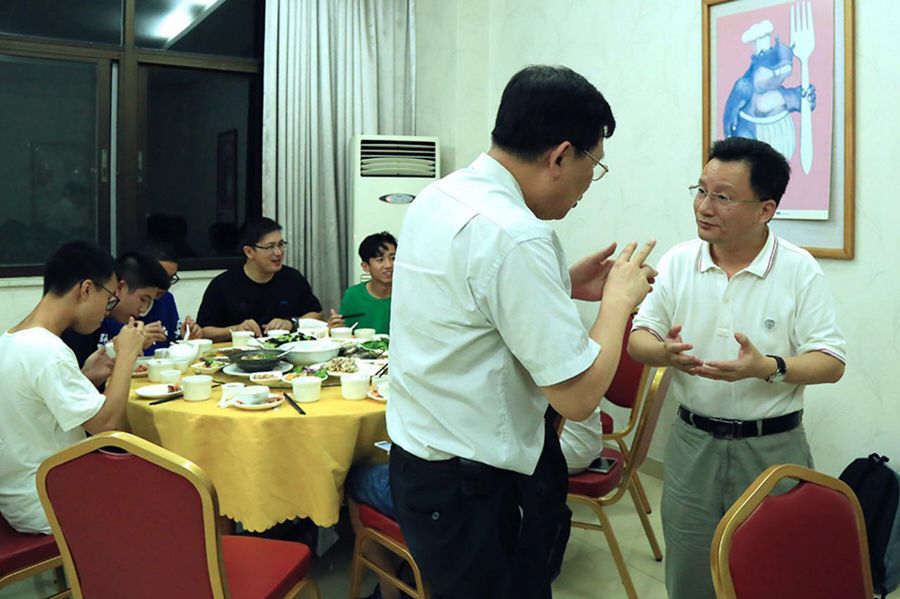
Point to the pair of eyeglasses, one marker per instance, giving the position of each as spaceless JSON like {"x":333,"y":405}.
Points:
{"x":113,"y":300}
{"x":174,"y":279}
{"x":272,"y":246}
{"x":699,"y":194}
{"x":603,"y":168}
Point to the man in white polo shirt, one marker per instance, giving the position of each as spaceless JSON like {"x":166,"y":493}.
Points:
{"x":748,"y":321}
{"x":484,"y":333}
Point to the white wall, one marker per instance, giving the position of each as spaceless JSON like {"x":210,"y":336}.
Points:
{"x":644,"y":55}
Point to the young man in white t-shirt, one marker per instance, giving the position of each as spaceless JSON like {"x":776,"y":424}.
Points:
{"x":47,"y":403}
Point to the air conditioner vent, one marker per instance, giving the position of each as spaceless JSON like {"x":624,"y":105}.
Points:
{"x":397,"y":158}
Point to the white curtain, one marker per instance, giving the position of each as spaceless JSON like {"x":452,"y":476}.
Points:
{"x":333,"y":69}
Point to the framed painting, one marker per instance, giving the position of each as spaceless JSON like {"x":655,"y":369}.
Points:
{"x":781,"y":71}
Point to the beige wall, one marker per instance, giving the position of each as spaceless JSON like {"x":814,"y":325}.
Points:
{"x":645,"y":57}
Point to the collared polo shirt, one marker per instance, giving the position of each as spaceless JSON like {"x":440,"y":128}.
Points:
{"x":481,"y":317}
{"x":781,"y":302}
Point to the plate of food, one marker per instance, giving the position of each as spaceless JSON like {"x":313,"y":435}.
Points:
{"x":221,"y":354}
{"x":159,"y":391}
{"x":141,"y":368}
{"x":338,"y":366}
{"x":275,"y":400}
{"x":374,"y":394}
{"x":276,"y":341}
{"x":235,"y":370}
{"x":266,"y":378}
{"x":208,"y":366}
{"x":300,"y":371}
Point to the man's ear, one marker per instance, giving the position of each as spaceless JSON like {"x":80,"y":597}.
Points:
{"x":246,"y":250}
{"x":85,"y":289}
{"x":365,"y":266}
{"x":768,"y":210}
{"x":555,"y":157}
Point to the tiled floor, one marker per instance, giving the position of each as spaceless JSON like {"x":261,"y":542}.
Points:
{"x":588,"y":570}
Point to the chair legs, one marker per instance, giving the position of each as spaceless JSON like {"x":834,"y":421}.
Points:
{"x":360,"y":561}
{"x":305,"y":588}
{"x":639,"y":487}
{"x":606,"y":527}
{"x":645,"y":521}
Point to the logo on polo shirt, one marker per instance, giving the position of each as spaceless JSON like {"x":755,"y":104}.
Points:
{"x":769,"y":324}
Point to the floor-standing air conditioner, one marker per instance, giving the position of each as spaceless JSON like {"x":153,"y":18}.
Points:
{"x":387,"y":171}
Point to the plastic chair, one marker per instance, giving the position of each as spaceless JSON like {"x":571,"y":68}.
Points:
{"x":599,"y":491}
{"x":144,"y":523}
{"x":25,"y":555}
{"x":379,"y":529}
{"x":808,"y":542}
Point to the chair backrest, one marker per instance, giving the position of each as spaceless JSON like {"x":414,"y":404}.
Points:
{"x":138,"y":523}
{"x":630,"y":377}
{"x":807,"y":542}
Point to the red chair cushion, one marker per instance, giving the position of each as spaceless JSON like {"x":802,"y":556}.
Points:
{"x":263,"y":568}
{"x":606,"y":421}
{"x":372,"y":518}
{"x":594,"y":484}
{"x":804,"y":541}
{"x":19,"y":550}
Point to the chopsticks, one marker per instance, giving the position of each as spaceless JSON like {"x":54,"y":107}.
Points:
{"x":179,"y":396}
{"x":357,"y":315}
{"x":380,"y":371}
{"x":294,"y":404}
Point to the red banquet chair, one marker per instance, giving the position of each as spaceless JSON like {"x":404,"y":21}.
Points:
{"x":25,"y":555}
{"x":598,"y":491}
{"x":143,"y":523}
{"x":381,"y":530}
{"x":807,"y":542}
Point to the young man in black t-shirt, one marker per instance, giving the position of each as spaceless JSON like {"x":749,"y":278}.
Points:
{"x":260,"y":295}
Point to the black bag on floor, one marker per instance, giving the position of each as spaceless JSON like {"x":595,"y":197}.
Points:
{"x":878,"y":490}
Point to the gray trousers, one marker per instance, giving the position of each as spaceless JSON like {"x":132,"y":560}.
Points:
{"x":703,"y":477}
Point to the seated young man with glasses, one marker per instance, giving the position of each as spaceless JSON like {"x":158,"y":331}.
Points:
{"x":260,"y":295}
{"x":162,"y":316}
{"x":140,"y":280}
{"x":47,"y":403}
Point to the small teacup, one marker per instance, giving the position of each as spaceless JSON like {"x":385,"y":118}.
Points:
{"x":161,"y":354}
{"x":182,"y":365}
{"x":307,"y":388}
{"x":241,"y":339}
{"x":170,"y":377}
{"x":365,"y":333}
{"x":230,"y":390}
{"x":354,"y":385}
{"x":155,"y":368}
{"x":341,"y":333}
{"x":197,"y":387}
{"x":254,"y":395}
{"x":202,"y":345}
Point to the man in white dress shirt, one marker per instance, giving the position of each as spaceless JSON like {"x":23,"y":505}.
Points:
{"x":484,"y":333}
{"x":747,"y":320}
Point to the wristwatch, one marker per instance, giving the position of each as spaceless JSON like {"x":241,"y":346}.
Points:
{"x":780,"y":370}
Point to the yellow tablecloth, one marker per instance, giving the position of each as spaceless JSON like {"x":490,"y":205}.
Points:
{"x":268,"y":466}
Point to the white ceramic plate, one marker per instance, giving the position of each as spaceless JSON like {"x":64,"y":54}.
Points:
{"x":160,"y":391}
{"x":275,"y":400}
{"x":234,"y":370}
{"x":374,"y":394}
{"x":137,"y":364}
{"x":199,"y":367}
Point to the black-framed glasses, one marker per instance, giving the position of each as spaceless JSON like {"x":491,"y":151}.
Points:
{"x":281,"y":245}
{"x":113,"y":300}
{"x":720,"y":200}
{"x":174,"y":279}
{"x":603,"y":168}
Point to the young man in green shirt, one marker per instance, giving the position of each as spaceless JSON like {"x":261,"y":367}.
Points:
{"x":369,"y":303}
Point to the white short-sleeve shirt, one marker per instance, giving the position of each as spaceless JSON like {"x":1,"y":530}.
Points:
{"x":781,"y":302}
{"x":481,"y":317}
{"x":45,"y":401}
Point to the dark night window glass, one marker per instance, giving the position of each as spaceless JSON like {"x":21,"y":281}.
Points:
{"x":221,"y":27}
{"x":98,"y":21}
{"x":48,"y":187}
{"x":196,"y":162}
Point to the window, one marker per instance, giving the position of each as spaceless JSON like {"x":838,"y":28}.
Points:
{"x":126,"y":119}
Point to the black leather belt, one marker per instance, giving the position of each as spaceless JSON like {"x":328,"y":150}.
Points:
{"x":723,"y":428}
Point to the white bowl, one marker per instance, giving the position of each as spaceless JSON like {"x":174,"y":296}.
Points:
{"x":184,"y":351}
{"x":304,"y":353}
{"x":311,"y":323}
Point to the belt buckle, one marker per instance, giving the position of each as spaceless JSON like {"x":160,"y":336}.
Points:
{"x":734,"y":432}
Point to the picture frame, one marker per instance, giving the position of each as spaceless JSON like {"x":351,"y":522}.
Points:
{"x":810,"y":44}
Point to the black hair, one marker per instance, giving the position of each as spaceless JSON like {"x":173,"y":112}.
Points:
{"x":543,"y":106}
{"x":140,"y":270}
{"x":376,"y":244}
{"x":769,"y":169}
{"x":74,"y":262}
{"x":162,"y":251}
{"x":255,"y":229}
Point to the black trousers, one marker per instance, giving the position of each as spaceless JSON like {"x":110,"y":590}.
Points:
{"x":481,"y":532}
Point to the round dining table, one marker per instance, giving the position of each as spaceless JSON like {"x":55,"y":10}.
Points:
{"x":268,"y":465}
